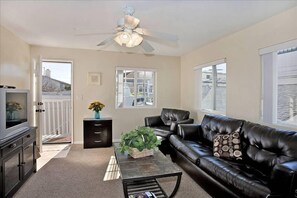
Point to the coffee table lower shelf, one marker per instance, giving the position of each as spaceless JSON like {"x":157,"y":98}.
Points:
{"x":151,"y":185}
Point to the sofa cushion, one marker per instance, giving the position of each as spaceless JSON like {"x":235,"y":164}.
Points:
{"x":264,"y":147}
{"x":213,"y":124}
{"x":171,"y":115}
{"x":246,"y":180}
{"x":227,"y":146}
{"x":192,"y":150}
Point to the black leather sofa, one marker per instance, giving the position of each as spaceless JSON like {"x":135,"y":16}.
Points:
{"x":269,"y":158}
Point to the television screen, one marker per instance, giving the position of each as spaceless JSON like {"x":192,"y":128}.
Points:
{"x":16,"y":108}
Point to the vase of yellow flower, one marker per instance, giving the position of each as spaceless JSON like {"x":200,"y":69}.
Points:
{"x":96,"y":106}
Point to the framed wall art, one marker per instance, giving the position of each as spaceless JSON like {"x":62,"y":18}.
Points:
{"x":94,"y":78}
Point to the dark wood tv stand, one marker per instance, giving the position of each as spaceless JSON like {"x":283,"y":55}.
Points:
{"x":18,"y":161}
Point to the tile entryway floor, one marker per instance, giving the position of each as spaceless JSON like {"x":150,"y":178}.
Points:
{"x":50,"y":151}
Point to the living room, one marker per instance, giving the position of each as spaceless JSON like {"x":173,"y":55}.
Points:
{"x":176,"y":80}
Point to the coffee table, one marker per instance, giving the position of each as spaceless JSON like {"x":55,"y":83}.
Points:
{"x":141,"y":174}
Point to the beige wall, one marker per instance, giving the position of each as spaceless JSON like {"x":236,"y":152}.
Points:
{"x":84,"y":61}
{"x":243,"y":64}
{"x":14,"y":60}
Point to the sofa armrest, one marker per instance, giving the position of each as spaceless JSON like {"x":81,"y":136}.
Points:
{"x":153,"y":121}
{"x":189,"y":131}
{"x":173,"y":126}
{"x":284,"y":178}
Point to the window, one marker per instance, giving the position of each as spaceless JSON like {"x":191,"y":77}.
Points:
{"x":279,"y":89}
{"x":135,"y":88}
{"x":212,"y":86}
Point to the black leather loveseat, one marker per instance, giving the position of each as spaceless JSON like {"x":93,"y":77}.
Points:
{"x":166,"y":123}
{"x":265,"y":166}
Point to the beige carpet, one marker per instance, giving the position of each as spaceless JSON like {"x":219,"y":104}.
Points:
{"x":80,"y":175}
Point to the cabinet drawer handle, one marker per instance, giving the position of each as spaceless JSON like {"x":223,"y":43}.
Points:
{"x":97,"y":124}
{"x":13,"y":145}
{"x":97,"y":132}
{"x":28,"y":136}
{"x":97,"y":141}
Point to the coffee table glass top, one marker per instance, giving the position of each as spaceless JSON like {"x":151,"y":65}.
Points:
{"x":147,"y":167}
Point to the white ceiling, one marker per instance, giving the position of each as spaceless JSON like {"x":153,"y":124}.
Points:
{"x":55,"y":23}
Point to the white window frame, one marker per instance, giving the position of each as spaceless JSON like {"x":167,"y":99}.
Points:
{"x":270,"y":82}
{"x":198,"y":91}
{"x":136,"y":69}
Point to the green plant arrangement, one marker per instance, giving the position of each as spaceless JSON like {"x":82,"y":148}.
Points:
{"x":142,"y":139}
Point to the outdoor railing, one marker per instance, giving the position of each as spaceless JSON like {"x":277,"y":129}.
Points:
{"x":57,"y":116}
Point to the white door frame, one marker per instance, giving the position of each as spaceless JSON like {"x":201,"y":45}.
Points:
{"x":35,"y":96}
{"x":71,"y":62}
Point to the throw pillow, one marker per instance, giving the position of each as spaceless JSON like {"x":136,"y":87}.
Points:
{"x":227,"y":146}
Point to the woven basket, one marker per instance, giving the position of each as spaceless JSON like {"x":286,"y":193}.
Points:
{"x":135,"y":153}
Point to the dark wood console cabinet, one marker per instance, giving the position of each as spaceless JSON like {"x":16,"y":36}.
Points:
{"x":97,"y":133}
{"x":18,"y":161}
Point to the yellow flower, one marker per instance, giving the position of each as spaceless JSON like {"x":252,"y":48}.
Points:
{"x":96,"y":106}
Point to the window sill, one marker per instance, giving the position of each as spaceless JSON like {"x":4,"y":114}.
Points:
{"x":213,"y":112}
{"x":153,"y":107}
{"x":282,"y":126}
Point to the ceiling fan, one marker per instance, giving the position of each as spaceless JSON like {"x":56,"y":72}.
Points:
{"x":129,"y":34}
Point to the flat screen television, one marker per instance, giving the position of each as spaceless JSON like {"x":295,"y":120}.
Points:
{"x":14,"y":112}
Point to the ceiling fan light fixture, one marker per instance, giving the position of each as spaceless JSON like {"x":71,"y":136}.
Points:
{"x":122,"y":38}
{"x":135,"y":40}
{"x":125,"y":37}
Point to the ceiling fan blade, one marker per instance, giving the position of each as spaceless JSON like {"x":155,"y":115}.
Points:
{"x":146,"y":46}
{"x":161,"y":35}
{"x":108,"y":40}
{"x":131,"y":22}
